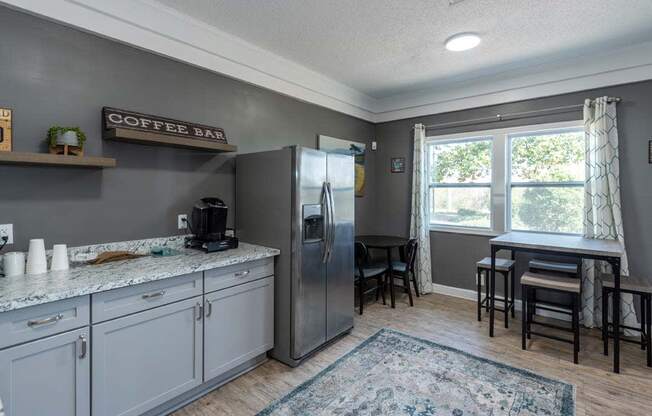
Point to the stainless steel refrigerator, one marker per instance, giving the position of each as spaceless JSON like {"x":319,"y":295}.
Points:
{"x":301,"y":201}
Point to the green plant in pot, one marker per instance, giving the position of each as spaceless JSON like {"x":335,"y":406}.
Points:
{"x":65,"y":140}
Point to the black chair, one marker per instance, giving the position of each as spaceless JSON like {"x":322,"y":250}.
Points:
{"x":637,"y":287}
{"x":483,"y":273}
{"x":405,"y":269}
{"x":365,"y":271}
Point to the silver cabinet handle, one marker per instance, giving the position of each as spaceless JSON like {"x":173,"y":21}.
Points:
{"x":209,"y":308}
{"x":198,"y":311}
{"x":50,"y":320}
{"x":83,"y":346}
{"x":153,"y":295}
{"x":242,"y":274}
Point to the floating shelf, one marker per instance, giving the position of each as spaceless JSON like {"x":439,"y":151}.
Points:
{"x":47,"y":159}
{"x":156,"y":139}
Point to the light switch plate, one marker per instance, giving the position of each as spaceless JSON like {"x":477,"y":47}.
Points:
{"x":182,"y":221}
{"x":7,"y":230}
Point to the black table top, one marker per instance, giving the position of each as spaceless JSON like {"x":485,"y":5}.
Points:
{"x":381,"y":241}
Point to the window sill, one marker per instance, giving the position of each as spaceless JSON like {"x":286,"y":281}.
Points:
{"x":468,"y":231}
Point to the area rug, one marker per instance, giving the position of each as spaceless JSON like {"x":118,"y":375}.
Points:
{"x":392,"y":373}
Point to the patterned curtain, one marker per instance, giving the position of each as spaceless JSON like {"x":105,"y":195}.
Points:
{"x":602,"y":208}
{"x":419,"y":222}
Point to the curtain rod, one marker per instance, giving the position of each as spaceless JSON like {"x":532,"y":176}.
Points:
{"x":515,"y":116}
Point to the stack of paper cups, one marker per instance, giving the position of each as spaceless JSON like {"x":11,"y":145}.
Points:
{"x":14,"y":264}
{"x":59,"y":257}
{"x":36,"y":261}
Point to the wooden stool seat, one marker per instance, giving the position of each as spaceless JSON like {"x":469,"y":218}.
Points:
{"x":627,"y":283}
{"x":549,"y":281}
{"x":553,"y":266}
{"x":502,"y":265}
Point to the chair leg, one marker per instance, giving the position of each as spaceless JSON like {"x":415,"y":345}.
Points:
{"x":512,"y":290}
{"x":506,"y":298}
{"x":605,"y":321}
{"x":381,"y":283}
{"x":531,"y":300}
{"x":486,"y":286}
{"x":643,"y":325}
{"x":648,"y":332}
{"x":479,"y":290}
{"x":361,"y":288}
{"x":576,"y":328}
{"x":416,"y":285}
{"x":524,"y":315}
{"x":406,"y":284}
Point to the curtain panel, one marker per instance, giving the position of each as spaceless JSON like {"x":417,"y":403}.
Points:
{"x":419,"y":221}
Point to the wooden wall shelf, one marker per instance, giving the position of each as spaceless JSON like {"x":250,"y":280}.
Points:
{"x":47,"y":159}
{"x":156,"y":139}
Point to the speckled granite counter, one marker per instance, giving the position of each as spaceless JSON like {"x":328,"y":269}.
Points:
{"x":22,"y":291}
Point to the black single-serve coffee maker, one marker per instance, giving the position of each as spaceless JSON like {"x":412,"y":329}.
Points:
{"x":208,"y":225}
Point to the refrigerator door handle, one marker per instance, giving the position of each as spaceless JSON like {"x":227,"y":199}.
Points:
{"x":327,"y":220}
{"x":331,"y":204}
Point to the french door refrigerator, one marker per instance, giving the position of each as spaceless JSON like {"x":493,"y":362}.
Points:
{"x":301,"y":201}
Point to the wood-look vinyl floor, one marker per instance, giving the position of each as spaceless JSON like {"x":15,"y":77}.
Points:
{"x":451,"y":321}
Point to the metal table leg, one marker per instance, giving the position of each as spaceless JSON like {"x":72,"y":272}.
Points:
{"x":615,"y":268}
{"x":492,"y":282}
{"x":391,"y":277}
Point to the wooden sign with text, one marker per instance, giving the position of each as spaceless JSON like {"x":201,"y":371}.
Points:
{"x":114,"y":118}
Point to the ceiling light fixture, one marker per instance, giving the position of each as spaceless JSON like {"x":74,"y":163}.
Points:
{"x":462,"y":42}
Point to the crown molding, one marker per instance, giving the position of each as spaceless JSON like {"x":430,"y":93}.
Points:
{"x":151,"y":26}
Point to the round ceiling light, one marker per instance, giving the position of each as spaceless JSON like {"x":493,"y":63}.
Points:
{"x":462,"y":42}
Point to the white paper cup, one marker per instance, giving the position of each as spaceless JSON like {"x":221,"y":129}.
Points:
{"x":59,"y":257}
{"x":36,"y":261}
{"x":14,"y":263}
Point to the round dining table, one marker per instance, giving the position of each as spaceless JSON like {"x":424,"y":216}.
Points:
{"x":387,"y":243}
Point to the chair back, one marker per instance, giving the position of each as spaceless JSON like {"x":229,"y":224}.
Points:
{"x":361,"y":256}
{"x":411,"y":253}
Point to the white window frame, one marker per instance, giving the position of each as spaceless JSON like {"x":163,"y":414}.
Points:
{"x":500,"y":172}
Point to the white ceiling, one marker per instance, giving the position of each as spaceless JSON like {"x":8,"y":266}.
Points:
{"x":383,"y":60}
{"x":387,"y":47}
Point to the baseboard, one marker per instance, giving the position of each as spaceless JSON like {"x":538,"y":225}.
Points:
{"x":472,"y":295}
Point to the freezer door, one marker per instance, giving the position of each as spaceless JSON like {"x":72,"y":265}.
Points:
{"x":308,"y":268}
{"x":340,"y":265}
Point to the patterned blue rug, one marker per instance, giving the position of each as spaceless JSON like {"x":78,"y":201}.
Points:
{"x":396,"y":374}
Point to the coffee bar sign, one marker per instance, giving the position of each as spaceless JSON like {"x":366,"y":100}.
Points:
{"x":114,"y":118}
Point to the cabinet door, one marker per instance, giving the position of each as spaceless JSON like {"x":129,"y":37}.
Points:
{"x":50,"y":376}
{"x":143,"y":360}
{"x":238,"y":325}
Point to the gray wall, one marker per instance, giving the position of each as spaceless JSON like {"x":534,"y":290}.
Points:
{"x":454,"y":255}
{"x":53,"y":74}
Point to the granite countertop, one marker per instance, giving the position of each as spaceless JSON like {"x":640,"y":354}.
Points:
{"x":28,"y":290}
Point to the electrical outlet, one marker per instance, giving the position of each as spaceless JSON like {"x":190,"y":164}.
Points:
{"x":182,"y":221}
{"x":7,"y":230}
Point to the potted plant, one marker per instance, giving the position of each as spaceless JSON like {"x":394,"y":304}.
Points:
{"x":66,"y":140}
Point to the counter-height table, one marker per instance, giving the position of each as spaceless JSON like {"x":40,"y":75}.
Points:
{"x":573,"y":246}
{"x":387,"y":243}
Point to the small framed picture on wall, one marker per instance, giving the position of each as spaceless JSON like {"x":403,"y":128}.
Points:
{"x":398,"y":164}
{"x":649,"y":151}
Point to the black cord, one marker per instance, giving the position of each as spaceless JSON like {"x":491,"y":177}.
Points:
{"x":4,"y":239}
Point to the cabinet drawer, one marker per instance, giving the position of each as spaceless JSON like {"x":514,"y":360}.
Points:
{"x":132,"y":299}
{"x":40,"y":321}
{"x":224,"y":277}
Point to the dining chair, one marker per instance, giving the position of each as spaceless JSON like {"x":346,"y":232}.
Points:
{"x":531,"y":283}
{"x":405,"y":270}
{"x":366,"y":271}
{"x":633,"y":286}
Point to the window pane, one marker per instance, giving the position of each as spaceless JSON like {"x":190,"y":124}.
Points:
{"x":464,"y":207}
{"x":461,"y":162}
{"x":554,"y":157}
{"x":550,"y":209}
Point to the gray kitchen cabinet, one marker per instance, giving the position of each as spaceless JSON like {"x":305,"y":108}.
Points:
{"x":238,"y":325}
{"x":143,"y":360}
{"x":50,"y":376}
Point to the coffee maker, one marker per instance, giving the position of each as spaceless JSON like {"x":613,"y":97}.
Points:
{"x":208,"y":225}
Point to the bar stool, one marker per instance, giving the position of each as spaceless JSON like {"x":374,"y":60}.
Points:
{"x":530,"y":283}
{"x":504,"y":267}
{"x":636,"y":287}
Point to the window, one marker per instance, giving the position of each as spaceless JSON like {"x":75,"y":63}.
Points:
{"x":547,"y":181}
{"x":526,"y":179}
{"x":460,"y":186}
